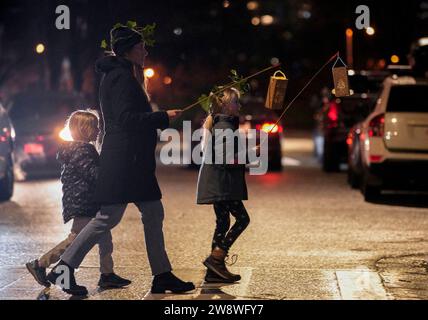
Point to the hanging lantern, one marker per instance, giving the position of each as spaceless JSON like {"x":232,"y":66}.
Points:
{"x":276,"y":91}
{"x":340,"y":78}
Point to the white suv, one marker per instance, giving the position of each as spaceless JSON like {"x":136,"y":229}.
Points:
{"x":393,"y":140}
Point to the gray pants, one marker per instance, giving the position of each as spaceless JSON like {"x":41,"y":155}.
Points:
{"x":105,"y":247}
{"x":152,"y":214}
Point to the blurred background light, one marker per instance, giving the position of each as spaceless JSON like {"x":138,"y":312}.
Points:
{"x":252,"y":5}
{"x":178,"y":31}
{"x":395,"y":59}
{"x":149,"y":73}
{"x":167,"y":80}
{"x":255,"y":21}
{"x":267,"y":20}
{"x":370,"y":31}
{"x":40,"y":48}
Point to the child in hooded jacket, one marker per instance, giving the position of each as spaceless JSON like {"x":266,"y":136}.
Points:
{"x":79,"y":161}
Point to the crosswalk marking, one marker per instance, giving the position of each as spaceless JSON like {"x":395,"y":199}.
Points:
{"x":361,"y":284}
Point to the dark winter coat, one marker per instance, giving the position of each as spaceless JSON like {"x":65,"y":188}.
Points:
{"x":79,"y":168}
{"x":127,"y":160}
{"x":221,"y":182}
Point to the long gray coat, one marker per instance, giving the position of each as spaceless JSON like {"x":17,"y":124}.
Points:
{"x":127,"y":159}
{"x":221,"y":182}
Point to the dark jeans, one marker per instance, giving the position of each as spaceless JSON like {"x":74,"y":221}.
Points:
{"x":224,"y":237}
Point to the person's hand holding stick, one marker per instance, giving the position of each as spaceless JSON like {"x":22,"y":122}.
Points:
{"x":174,"y":114}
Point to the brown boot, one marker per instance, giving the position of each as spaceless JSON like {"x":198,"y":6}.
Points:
{"x":215,"y":263}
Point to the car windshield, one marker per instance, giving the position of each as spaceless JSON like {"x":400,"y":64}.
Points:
{"x":408,"y":98}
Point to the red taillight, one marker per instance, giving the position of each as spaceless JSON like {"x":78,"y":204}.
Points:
{"x":377,"y":126}
{"x":375,"y":159}
{"x":270,"y":127}
{"x":33,"y":148}
{"x":333,"y":112}
{"x":4,"y":135}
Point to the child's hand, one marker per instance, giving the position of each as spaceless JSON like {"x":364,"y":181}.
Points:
{"x":174,"y":114}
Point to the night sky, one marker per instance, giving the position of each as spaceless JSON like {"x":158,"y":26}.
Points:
{"x":198,"y":42}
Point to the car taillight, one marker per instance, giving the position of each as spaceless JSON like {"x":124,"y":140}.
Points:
{"x":377,"y":126}
{"x":4,"y":135}
{"x":350,"y":138}
{"x":376,"y":159}
{"x":33,"y":148}
{"x":333,"y":112}
{"x":270,"y":127}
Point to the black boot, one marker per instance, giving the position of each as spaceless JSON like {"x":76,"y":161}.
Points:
{"x":38,"y":273}
{"x":73,"y":289}
{"x":169,"y":282}
{"x":212,"y":277}
{"x":112,"y":280}
{"x":215,"y":263}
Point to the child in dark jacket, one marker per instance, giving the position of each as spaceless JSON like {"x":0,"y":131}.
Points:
{"x":79,"y":168}
{"x":223,"y":186}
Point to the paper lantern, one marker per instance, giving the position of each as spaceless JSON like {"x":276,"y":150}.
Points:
{"x":276,"y":91}
{"x":341,"y":80}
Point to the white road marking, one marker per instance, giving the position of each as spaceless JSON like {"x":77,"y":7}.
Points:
{"x":361,"y":284}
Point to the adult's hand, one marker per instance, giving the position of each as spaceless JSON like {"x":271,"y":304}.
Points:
{"x":174,"y":114}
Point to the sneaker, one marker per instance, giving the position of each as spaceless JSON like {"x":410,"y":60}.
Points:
{"x":38,"y":273}
{"x":169,"y":282}
{"x":112,"y":280}
{"x":73,"y":288}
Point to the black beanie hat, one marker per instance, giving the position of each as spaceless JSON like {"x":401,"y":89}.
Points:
{"x":124,"y":39}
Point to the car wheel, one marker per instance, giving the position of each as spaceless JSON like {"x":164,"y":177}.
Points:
{"x":330,"y":160}
{"x":353,"y":178}
{"x":7,"y":183}
{"x":275,"y":164}
{"x":369,"y":191}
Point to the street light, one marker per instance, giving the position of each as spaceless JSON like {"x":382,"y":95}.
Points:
{"x":350,"y":47}
{"x":395,"y":59}
{"x":40,"y":48}
{"x":370,"y":31}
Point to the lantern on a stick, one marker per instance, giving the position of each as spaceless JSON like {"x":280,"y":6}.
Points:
{"x":276,"y":91}
{"x":341,"y":80}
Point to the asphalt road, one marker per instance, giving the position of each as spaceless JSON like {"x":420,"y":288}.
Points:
{"x":310,"y":237}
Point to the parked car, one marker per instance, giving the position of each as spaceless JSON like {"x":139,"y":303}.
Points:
{"x":7,"y":135}
{"x":389,"y":149}
{"x":39,"y":118}
{"x":337,"y":116}
{"x":255,"y":116}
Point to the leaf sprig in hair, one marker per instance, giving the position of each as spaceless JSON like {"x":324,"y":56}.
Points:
{"x":238,"y":82}
{"x":147,"y":32}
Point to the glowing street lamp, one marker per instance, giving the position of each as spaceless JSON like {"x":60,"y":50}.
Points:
{"x":350,"y":47}
{"x":395,"y":59}
{"x":40,"y":48}
{"x":370,"y":31}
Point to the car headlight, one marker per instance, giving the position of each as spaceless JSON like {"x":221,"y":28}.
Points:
{"x":65,"y":134}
